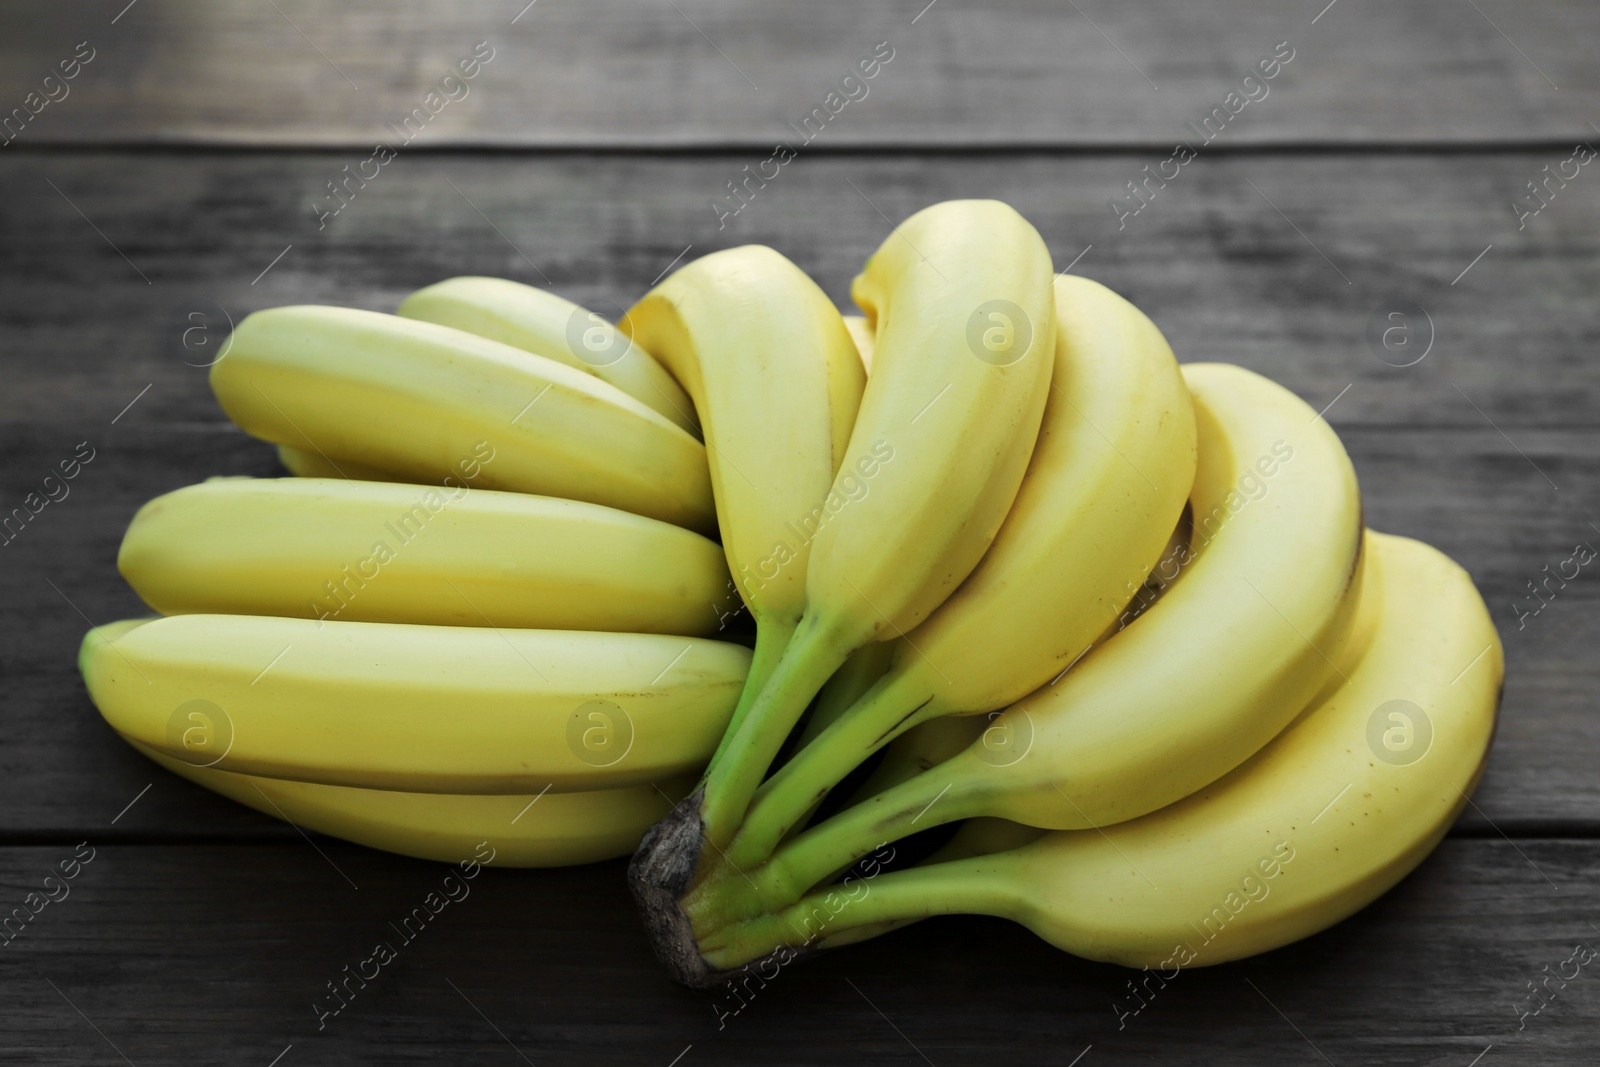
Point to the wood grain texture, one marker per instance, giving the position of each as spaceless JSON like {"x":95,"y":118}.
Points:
{"x":634,"y":73}
{"x":207,"y":237}
{"x":179,"y":186}
{"x":216,"y":954}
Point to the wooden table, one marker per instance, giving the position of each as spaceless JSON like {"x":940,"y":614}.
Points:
{"x":182,"y":182}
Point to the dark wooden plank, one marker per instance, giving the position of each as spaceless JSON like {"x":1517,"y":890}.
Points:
{"x":216,"y":954}
{"x":1210,"y":258}
{"x":634,"y":72}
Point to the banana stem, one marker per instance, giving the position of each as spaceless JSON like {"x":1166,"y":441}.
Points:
{"x":772,"y":637}
{"x":836,"y":915}
{"x":849,"y":684}
{"x":815,"y":652}
{"x":883,"y":713}
{"x":922,"y":802}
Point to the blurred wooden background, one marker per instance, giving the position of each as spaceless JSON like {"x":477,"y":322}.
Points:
{"x":175,"y":183}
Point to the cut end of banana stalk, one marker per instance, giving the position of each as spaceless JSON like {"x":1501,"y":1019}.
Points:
{"x":660,"y":873}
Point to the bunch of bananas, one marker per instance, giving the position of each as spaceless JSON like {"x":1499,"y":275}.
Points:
{"x":997,"y":557}
{"x":491,"y":582}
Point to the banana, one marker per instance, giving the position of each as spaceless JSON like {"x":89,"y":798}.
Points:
{"x":963,"y":318}
{"x":541,"y":830}
{"x":550,"y":326}
{"x":360,"y":551}
{"x":750,"y":335}
{"x":426,"y":401}
{"x":1245,"y":637}
{"x":1107,"y":483}
{"x":1324,"y":820}
{"x":861,"y":334}
{"x":401,"y":706}
{"x":936,"y":740}
{"x":305,"y":463}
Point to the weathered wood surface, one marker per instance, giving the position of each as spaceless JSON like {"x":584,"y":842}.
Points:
{"x":216,"y":954}
{"x":636,"y":73}
{"x":164,"y":196}
{"x":1210,"y":258}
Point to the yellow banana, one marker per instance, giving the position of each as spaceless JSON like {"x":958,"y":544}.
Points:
{"x":357,"y":551}
{"x":539,"y":830}
{"x":548,"y":325}
{"x":773,"y":374}
{"x":426,"y":401}
{"x":401,"y":706}
{"x":960,"y":300}
{"x":1107,"y":482}
{"x":861,"y":334}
